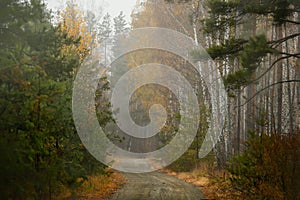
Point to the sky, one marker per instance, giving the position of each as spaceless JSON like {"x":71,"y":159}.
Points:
{"x":111,"y":6}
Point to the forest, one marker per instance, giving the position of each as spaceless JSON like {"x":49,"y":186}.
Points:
{"x":254,"y":44}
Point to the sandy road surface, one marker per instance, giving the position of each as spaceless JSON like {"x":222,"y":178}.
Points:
{"x":156,"y":186}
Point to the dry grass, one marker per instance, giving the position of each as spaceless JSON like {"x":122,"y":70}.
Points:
{"x":95,"y":188}
{"x":215,"y":184}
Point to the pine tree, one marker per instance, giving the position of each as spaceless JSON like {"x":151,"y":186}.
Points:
{"x":40,"y":149}
{"x":120,"y":24}
{"x":105,"y":28}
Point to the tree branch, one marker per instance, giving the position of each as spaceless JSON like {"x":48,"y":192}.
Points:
{"x":297,"y":55}
{"x":177,"y":21}
{"x":269,"y":86}
{"x":269,"y":69}
{"x":292,"y":22}
{"x":277,"y":42}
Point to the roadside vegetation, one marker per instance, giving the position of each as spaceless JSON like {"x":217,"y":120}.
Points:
{"x":255,"y":46}
{"x":41,"y":155}
{"x":95,"y":187}
{"x":267,"y":169}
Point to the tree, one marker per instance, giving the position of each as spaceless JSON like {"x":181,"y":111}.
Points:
{"x":74,"y":25}
{"x":259,"y":81}
{"x":104,"y":34}
{"x":156,"y":13}
{"x":265,"y":172}
{"x":91,"y":22}
{"x":40,"y":150}
{"x":120,"y":24}
{"x":105,"y":28}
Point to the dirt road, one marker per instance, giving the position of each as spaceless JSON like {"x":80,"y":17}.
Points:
{"x":156,"y":186}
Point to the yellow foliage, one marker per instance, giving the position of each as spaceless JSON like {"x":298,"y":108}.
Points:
{"x":74,"y":24}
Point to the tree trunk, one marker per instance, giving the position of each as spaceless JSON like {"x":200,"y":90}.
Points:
{"x":297,"y":77}
{"x":280,"y":86}
{"x":289,"y":87}
{"x":296,"y":183}
{"x":250,"y":112}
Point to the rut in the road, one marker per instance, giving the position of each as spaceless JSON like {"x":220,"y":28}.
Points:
{"x":156,"y":186}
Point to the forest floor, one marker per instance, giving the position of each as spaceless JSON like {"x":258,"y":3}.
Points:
{"x":97,"y":187}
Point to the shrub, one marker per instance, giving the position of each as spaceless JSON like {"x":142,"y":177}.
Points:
{"x":269,"y":168}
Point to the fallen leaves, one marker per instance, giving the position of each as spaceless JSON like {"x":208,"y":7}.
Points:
{"x":97,"y":187}
{"x":214,"y":186}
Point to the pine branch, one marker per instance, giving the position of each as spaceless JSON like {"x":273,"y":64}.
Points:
{"x":269,"y":69}
{"x":269,"y":86}
{"x":292,"y":22}
{"x":278,"y":42}
{"x":297,"y":55}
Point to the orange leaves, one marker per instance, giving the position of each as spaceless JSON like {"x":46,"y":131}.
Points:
{"x":97,"y":187}
{"x":270,"y":167}
{"x":74,"y":24}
